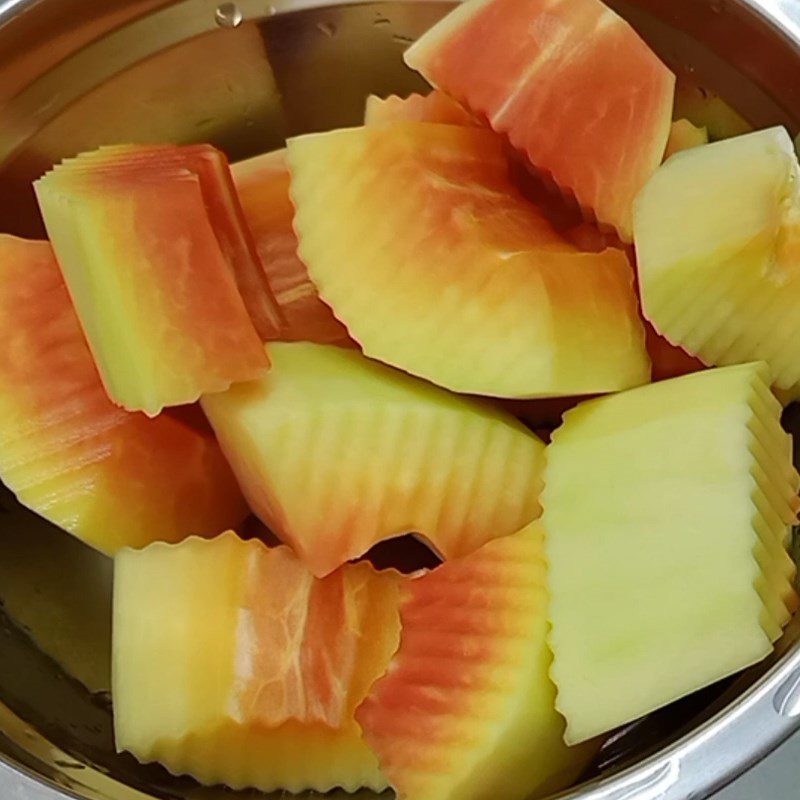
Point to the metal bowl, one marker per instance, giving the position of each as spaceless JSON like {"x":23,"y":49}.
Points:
{"x":75,"y":74}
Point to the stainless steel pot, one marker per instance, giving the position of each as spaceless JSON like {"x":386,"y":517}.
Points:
{"x":75,"y":74}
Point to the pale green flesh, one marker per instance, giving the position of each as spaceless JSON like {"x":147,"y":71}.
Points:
{"x":651,"y":538}
{"x":716,"y":230}
{"x":336,"y":452}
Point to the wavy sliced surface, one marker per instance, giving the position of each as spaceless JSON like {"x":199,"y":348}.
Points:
{"x":435,"y":106}
{"x":108,"y":476}
{"x":255,"y":679}
{"x":670,"y":506}
{"x":225,"y":212}
{"x":726,"y":290}
{"x":467,"y":709}
{"x":513,"y":309}
{"x":263,"y":186}
{"x":336,"y":453}
{"x":154,"y":287}
{"x":572,"y":85}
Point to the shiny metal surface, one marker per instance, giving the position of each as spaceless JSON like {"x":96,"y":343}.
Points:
{"x":75,"y":74}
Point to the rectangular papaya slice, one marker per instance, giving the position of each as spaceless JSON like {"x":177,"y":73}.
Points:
{"x":225,"y":213}
{"x":255,"y":678}
{"x":154,"y":288}
{"x":263,"y":187}
{"x":572,"y":85}
{"x":668,"y":509}
{"x":110,"y":477}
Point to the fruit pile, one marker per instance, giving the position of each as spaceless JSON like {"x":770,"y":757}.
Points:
{"x":372,"y":334}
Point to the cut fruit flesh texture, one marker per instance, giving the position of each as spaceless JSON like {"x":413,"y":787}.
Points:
{"x":514,"y":62}
{"x":433,"y":107}
{"x":336,"y":453}
{"x":726,"y":290}
{"x":225,"y":212}
{"x":316,"y":642}
{"x":514,"y":309}
{"x":670,"y":361}
{"x":155,"y":295}
{"x":438,"y":107}
{"x":670,"y":506}
{"x":255,"y":662}
{"x":109,"y":477}
{"x":683,"y":136}
{"x":467,"y":709}
{"x":263,"y":186}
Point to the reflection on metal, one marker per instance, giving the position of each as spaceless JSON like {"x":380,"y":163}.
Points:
{"x":787,"y":698}
{"x":228,"y":15}
{"x":649,"y":785}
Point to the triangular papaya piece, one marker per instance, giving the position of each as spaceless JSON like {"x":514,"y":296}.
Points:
{"x":466,"y":709}
{"x":479,"y":293}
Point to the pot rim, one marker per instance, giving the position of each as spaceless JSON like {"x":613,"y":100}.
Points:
{"x":755,"y":722}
